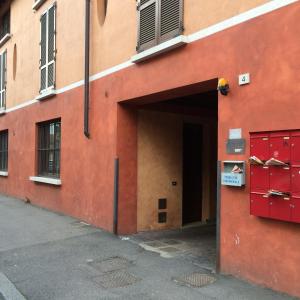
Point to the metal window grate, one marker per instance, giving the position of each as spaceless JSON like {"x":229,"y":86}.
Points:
{"x":3,"y":150}
{"x":49,"y":135}
{"x":162,"y":217}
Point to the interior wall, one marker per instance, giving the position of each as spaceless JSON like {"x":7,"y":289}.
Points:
{"x":159,"y":164}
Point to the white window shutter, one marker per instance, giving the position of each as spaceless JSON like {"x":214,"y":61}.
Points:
{"x":3,"y":68}
{"x":47,"y":49}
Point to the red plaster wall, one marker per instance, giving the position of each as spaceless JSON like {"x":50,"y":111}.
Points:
{"x":262,"y":251}
{"x":87,"y":165}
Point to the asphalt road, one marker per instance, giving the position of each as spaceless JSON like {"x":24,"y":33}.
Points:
{"x":49,"y":256}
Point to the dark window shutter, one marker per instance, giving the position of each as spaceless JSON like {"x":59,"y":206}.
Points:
{"x":147,"y":24}
{"x":51,"y":46}
{"x":43,"y":61}
{"x":171,"y":19}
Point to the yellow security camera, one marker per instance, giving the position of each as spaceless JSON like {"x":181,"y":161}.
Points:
{"x":223,"y":86}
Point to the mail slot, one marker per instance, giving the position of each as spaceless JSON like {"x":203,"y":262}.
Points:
{"x":295,"y":180}
{"x":259,"y":181}
{"x":280,"y":178}
{"x":259,"y":146}
{"x":280,"y":146}
{"x":233,"y":173}
{"x":295,"y":147}
{"x":280,"y":208}
{"x":295,"y":209}
{"x":259,"y":205}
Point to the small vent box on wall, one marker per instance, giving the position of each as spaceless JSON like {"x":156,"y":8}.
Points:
{"x":233,"y":173}
{"x":275,"y":175}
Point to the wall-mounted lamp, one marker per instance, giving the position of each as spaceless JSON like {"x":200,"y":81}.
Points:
{"x":223,"y":86}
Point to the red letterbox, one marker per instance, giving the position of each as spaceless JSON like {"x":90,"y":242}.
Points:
{"x":295,"y":147}
{"x":259,"y":146}
{"x":259,"y":181}
{"x":280,"y":178}
{"x":295,"y":180}
{"x":280,"y":146}
{"x":295,"y":209}
{"x":259,"y":205}
{"x":275,"y":189}
{"x":280,"y":208}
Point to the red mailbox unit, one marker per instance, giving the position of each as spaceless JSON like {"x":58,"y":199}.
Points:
{"x":275,"y":189}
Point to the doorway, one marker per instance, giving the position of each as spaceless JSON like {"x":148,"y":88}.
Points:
{"x":192,"y":173}
{"x":177,"y":162}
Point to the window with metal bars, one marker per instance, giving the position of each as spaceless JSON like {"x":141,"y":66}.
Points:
{"x":3,"y":63}
{"x":5,"y":24}
{"x":49,"y":148}
{"x":158,"y":21}
{"x":48,"y":49}
{"x":3,"y":150}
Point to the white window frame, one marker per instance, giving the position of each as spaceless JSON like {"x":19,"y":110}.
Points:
{"x":48,"y":63}
{"x":3,"y":88}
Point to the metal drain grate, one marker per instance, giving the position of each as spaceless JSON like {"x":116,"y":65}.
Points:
{"x":195,"y":280}
{"x":116,"y":279}
{"x":110,"y":264}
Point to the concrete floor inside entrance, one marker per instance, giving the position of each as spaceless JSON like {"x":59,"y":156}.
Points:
{"x":195,"y":243}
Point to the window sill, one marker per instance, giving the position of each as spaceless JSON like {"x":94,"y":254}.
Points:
{"x":37,"y":4}
{"x":5,"y":39}
{"x":159,"y":49}
{"x":46,"y":94}
{"x":2,"y":111}
{"x":3,"y":173}
{"x":47,"y":180}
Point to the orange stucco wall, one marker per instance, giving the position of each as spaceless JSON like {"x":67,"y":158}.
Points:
{"x":113,"y":38}
{"x":262,"y":251}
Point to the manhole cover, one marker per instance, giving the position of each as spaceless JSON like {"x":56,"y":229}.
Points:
{"x":169,"y":249}
{"x":116,"y":279}
{"x":110,"y":264}
{"x":195,"y":280}
{"x":155,"y":244}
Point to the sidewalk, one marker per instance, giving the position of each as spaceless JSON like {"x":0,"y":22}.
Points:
{"x":50,"y":256}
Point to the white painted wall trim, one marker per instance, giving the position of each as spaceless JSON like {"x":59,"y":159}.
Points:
{"x":238,"y":19}
{"x":46,"y":94}
{"x":159,"y":49}
{"x":5,"y":39}
{"x":47,"y":180}
{"x":3,"y":173}
{"x":37,"y":4}
{"x":241,"y":18}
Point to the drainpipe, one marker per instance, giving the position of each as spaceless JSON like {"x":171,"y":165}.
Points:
{"x":87,"y":68}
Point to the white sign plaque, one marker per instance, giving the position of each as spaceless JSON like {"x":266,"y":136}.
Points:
{"x":235,"y":133}
{"x":244,"y":79}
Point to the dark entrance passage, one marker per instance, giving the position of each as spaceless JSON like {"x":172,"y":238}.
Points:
{"x":192,"y":173}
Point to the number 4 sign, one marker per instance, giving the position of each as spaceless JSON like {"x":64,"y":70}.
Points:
{"x":244,"y":79}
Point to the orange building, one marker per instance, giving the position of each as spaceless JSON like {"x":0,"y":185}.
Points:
{"x":110,"y":113}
